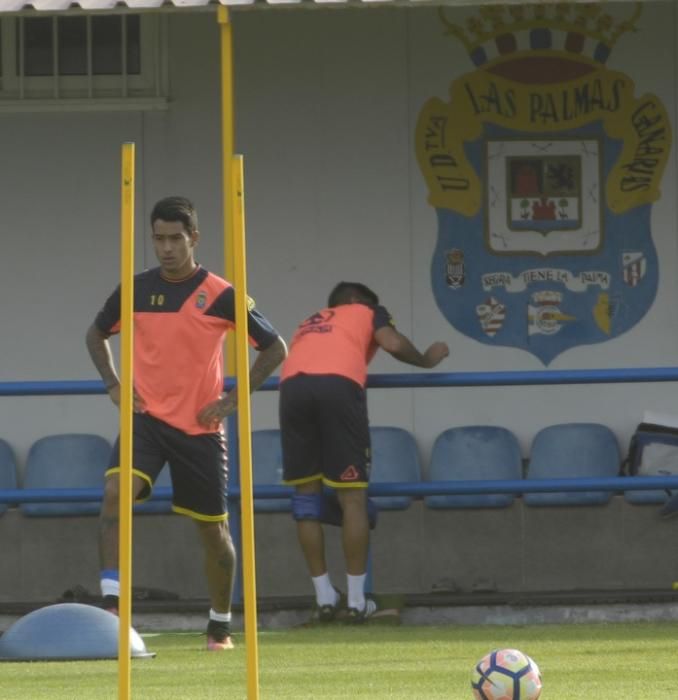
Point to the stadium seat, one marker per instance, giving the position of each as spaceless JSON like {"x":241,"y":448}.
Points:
{"x":395,"y":458}
{"x":470,"y":453}
{"x":66,"y":461}
{"x":8,"y":471}
{"x":267,"y":469}
{"x":570,"y":451}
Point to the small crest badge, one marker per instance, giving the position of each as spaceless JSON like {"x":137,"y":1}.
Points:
{"x":604,"y":311}
{"x":544,"y":314}
{"x":454,"y":268}
{"x":634,"y":266}
{"x":491,"y":315}
{"x":201,"y":300}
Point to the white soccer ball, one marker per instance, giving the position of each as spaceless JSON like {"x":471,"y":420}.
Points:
{"x":506,"y":674}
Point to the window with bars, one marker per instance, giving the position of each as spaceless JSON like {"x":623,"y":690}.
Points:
{"x":82,"y":57}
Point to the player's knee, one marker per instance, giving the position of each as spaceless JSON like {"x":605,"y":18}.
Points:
{"x":111,"y":491}
{"x":352,"y":497}
{"x":355,"y":502}
{"x":215,"y":535}
{"x":307,"y":506}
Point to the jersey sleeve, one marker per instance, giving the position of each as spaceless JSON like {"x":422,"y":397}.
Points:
{"x":108,"y":319}
{"x":260,"y":331}
{"x":381,"y":318}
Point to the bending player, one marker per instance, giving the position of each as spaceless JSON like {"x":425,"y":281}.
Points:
{"x":325,"y":431}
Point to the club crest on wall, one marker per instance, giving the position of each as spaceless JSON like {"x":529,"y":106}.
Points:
{"x":543,"y":167}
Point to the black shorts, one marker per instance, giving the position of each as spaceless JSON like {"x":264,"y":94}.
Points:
{"x":197,"y":463}
{"x":324,"y":430}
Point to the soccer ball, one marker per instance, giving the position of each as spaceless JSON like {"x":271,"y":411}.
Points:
{"x":506,"y":674}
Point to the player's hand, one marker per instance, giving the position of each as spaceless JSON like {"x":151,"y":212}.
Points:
{"x":214,"y":413}
{"x":436,"y":353}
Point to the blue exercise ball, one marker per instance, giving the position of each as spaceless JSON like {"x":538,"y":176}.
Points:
{"x":67,"y":631}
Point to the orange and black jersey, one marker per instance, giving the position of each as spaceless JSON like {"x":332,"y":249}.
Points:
{"x":179,"y":329}
{"x":337,"y":340}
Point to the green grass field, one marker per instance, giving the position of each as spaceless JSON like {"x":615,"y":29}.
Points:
{"x":578,"y":662}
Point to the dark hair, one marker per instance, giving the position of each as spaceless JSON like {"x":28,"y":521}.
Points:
{"x":176,"y":209}
{"x":347,"y":292}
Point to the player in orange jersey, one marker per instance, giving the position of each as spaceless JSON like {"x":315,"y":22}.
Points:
{"x":325,"y":431}
{"x":181,"y":315}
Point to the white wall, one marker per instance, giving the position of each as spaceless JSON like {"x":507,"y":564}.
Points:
{"x":327,"y":104}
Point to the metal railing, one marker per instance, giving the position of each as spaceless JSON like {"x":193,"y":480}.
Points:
{"x":414,"y":489}
{"x":390,"y":381}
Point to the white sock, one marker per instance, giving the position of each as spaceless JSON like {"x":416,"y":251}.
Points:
{"x":324,"y":590}
{"x":356,"y":591}
{"x":220,"y":617}
{"x":110,"y":582}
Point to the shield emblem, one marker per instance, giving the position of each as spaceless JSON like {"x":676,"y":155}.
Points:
{"x":534,"y":196}
{"x":538,"y":171}
{"x":550,"y":277}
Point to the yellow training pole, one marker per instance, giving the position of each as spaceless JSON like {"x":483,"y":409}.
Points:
{"x":126,"y":407}
{"x":227,"y":130}
{"x":245,"y":430}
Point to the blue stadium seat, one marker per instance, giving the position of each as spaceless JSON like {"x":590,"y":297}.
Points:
{"x":395,"y":458}
{"x":470,"y":453}
{"x":153,"y":507}
{"x":570,"y":451}
{"x":69,"y":460}
{"x":8,"y":470}
{"x":267,"y":469}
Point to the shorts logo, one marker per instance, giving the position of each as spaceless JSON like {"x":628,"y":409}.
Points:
{"x":350,"y":474}
{"x":201,"y":300}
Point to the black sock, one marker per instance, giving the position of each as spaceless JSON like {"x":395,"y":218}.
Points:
{"x":218,"y":630}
